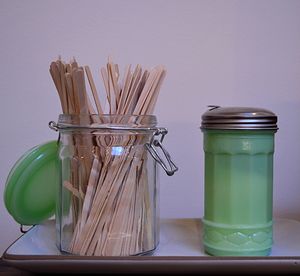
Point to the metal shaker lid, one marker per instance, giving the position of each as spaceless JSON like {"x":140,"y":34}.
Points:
{"x":239,"y":118}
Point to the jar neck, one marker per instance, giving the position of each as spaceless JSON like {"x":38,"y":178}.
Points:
{"x":96,"y":121}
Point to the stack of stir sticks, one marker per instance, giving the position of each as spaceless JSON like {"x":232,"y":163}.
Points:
{"x":112,"y":201}
{"x":135,"y":94}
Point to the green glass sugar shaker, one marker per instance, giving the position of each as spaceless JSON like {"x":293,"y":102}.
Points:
{"x":238,"y":201}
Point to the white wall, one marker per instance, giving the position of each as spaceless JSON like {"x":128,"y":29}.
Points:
{"x":237,"y":53}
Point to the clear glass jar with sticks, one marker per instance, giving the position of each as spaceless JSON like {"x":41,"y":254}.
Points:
{"x":108,"y":197}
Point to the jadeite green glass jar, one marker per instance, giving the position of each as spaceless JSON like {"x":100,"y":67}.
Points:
{"x":239,"y":148}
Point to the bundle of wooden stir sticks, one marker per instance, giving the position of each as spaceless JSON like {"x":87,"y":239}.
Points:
{"x":111,"y":205}
{"x":135,"y":94}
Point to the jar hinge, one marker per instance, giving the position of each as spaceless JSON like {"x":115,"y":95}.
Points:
{"x":53,"y":126}
{"x":157,"y":143}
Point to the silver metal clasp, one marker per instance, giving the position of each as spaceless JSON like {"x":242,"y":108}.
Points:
{"x":53,"y":126}
{"x":152,"y":147}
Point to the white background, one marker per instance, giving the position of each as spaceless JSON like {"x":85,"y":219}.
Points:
{"x":229,"y":53}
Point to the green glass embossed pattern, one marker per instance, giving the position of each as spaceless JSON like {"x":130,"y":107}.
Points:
{"x":238,"y":192}
{"x":237,"y":240}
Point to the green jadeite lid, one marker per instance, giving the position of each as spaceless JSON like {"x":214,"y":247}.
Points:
{"x":239,"y":118}
{"x":31,"y":185}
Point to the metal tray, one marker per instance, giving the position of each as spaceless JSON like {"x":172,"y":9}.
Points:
{"x":180,"y":251}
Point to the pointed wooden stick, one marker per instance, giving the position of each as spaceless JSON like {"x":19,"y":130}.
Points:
{"x":69,"y":86}
{"x":90,"y":192}
{"x":124,"y":92}
{"x":151,"y":99}
{"x":146,"y":90}
{"x":130,"y":101}
{"x":79,"y":83}
{"x":62,"y":71}
{"x":94,"y":90}
{"x":54,"y":71}
{"x":112,"y":94}
{"x":107,"y":90}
{"x":114,"y":76}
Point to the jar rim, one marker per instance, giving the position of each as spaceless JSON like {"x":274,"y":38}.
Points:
{"x":106,"y":121}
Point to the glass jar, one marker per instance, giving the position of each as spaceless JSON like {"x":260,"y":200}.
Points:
{"x":108,"y":197}
{"x":239,"y":148}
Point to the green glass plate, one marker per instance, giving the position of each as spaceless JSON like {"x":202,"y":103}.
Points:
{"x":31,"y":186}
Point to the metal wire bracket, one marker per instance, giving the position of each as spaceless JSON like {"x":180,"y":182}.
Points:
{"x":170,"y":168}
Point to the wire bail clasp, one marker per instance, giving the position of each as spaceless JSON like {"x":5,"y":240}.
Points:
{"x":52,"y":125}
{"x":157,"y":143}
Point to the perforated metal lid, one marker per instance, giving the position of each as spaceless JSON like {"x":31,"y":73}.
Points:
{"x":238,"y":118}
